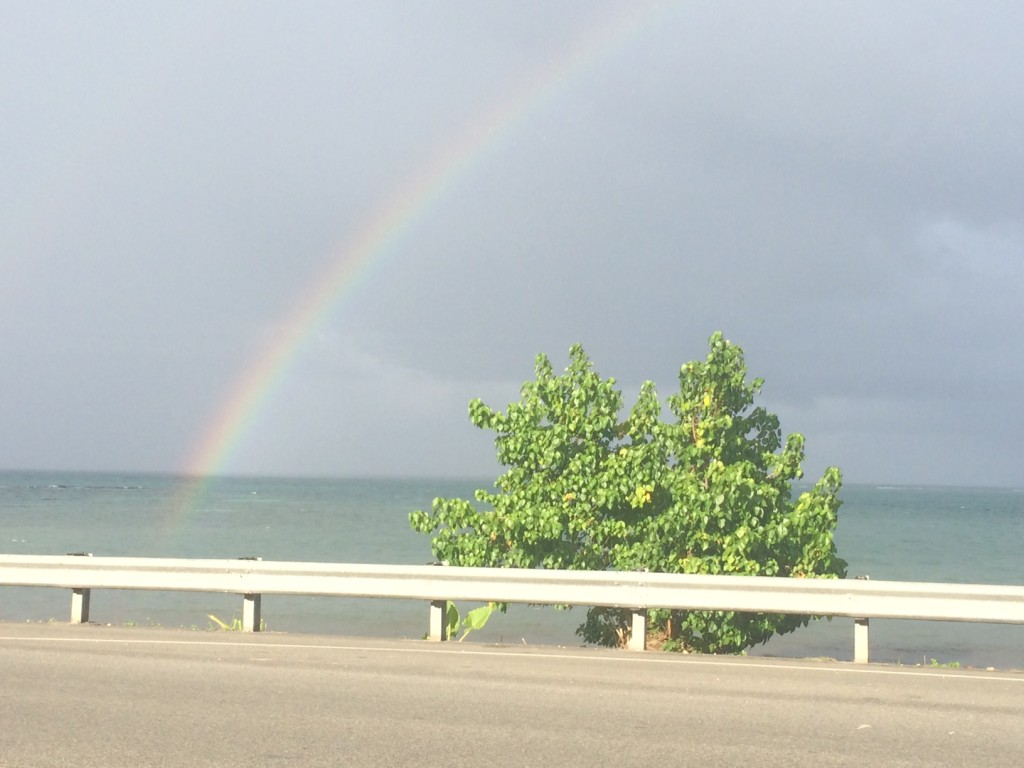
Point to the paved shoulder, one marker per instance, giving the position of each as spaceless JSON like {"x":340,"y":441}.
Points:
{"x":135,"y":697}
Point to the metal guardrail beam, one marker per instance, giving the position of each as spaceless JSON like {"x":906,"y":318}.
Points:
{"x":854,"y":598}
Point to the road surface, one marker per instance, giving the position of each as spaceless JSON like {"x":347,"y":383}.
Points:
{"x":102,"y":696}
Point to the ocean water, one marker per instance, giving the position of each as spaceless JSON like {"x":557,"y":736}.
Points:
{"x":963,"y":535}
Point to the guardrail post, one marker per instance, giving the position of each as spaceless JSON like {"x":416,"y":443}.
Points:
{"x":252,"y":612}
{"x":80,"y":605}
{"x":860,"y":641}
{"x":638,"y":635}
{"x":438,"y":620}
{"x":80,"y":598}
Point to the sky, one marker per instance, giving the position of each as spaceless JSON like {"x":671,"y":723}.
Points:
{"x":298,"y":239}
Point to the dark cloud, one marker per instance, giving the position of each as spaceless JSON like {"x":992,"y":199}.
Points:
{"x":838,"y":188}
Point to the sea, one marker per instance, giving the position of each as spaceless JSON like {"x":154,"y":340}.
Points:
{"x":902,"y":533}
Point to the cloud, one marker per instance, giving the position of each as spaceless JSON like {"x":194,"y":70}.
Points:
{"x":837,"y":188}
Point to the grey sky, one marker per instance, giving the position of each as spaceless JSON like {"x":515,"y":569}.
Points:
{"x":837,"y":187}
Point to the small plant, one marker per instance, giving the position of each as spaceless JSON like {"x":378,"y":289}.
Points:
{"x":475,"y":619}
{"x":947,"y":665}
{"x":451,"y":619}
{"x":234,"y":626}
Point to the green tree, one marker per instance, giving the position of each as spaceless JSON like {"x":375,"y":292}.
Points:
{"x":708,"y":491}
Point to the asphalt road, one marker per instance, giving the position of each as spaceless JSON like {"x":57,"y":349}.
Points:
{"x":100,"y":696}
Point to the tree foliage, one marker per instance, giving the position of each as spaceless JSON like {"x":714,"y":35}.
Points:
{"x":708,"y":490}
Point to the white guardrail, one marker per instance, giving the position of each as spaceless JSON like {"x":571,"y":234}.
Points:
{"x":858,"y":599}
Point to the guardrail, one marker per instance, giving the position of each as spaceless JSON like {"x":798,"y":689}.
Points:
{"x":858,"y":599}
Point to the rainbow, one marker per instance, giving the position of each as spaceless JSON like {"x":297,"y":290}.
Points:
{"x":374,"y":243}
